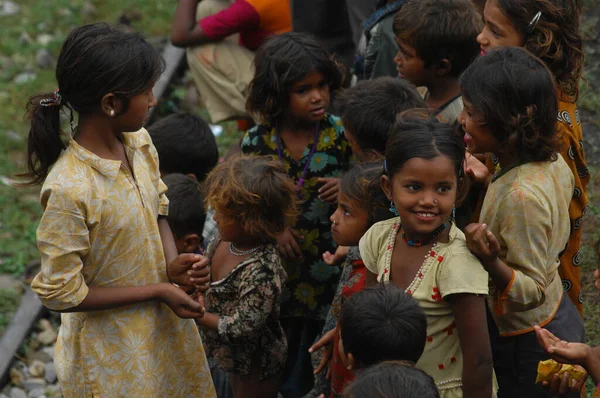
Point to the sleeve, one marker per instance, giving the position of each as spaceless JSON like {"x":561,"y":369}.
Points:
{"x":526,"y":230}
{"x":462,"y":274}
{"x":63,"y":240}
{"x":238,"y":17}
{"x":258,"y":293}
{"x":154,"y":168}
{"x":369,"y":250}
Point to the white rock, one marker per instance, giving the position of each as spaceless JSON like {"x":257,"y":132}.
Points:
{"x":47,"y":337}
{"x":36,"y":369}
{"x":50,"y":373}
{"x":34,"y":383}
{"x":9,"y":8}
{"x":13,"y":136}
{"x":16,"y":376}
{"x":44,"y":39}
{"x":37,"y":393}
{"x":88,"y":10}
{"x":25,"y":38}
{"x":43,"y":58}
{"x":16,"y":392}
{"x":41,"y":355}
{"x":49,"y":351}
{"x":25,"y":77}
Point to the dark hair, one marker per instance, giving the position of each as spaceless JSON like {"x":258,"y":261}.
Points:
{"x":256,"y":192}
{"x":94,"y":60}
{"x":417,"y":134}
{"x":392,"y":379}
{"x":185,"y":144}
{"x":555,"y":39}
{"x":368,"y":110}
{"x":383,"y":323}
{"x":513,"y":94}
{"x":439,"y":29}
{"x":361,"y":184}
{"x":279,"y":63}
{"x":186,"y":205}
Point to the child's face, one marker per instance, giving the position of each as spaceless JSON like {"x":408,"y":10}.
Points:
{"x":358,"y":152}
{"x":138,"y":111}
{"x":478,"y":138}
{"x":349,"y":222}
{"x":424,"y":192}
{"x":309,"y":98}
{"x":498,"y":30}
{"x":409,"y":65}
{"x":229,"y":229}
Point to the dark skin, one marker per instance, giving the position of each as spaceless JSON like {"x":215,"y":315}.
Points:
{"x":469,"y":314}
{"x":186,"y":31}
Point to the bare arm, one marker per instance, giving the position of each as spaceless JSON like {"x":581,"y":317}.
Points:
{"x":167,"y":239}
{"x":186,"y":30}
{"x":471,"y":324}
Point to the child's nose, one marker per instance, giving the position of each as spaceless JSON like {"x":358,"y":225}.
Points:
{"x":481,"y":39}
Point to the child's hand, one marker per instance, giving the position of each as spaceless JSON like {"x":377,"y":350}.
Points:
{"x":200,"y":274}
{"x":330,"y":189}
{"x":188,"y":269}
{"x":562,"y":351}
{"x":482,"y":243}
{"x":597,"y":280}
{"x":288,"y":245}
{"x":324,"y":342}
{"x":476,"y":170}
{"x":199,"y":298}
{"x":180,"y":303}
{"x":340,"y":255}
{"x":563,"y":385}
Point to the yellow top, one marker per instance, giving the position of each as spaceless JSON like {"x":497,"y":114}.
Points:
{"x":527,"y":210}
{"x":450,"y":268}
{"x":99,"y":228}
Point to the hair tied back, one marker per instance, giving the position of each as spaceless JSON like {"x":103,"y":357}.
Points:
{"x":56,"y":100}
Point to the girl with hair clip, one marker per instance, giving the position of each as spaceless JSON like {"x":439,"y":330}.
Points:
{"x":423,"y":252}
{"x":253,"y":200}
{"x":510,"y":107}
{"x":549,"y":29}
{"x":291,"y":91}
{"x":109,"y":261}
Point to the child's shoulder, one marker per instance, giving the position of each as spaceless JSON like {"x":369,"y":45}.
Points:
{"x":266,"y":259}
{"x":378,"y":234}
{"x":457,"y":246}
{"x":335,"y":122}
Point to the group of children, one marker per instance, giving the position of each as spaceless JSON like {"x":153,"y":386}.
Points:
{"x":412,"y":247}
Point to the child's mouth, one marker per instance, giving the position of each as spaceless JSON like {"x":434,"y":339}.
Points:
{"x":318,"y":112}
{"x":426,"y":216}
{"x":467,"y":138}
{"x":482,"y":52}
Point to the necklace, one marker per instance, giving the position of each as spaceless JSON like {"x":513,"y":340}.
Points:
{"x":237,"y":252}
{"x":417,"y":243}
{"x":310,"y":155}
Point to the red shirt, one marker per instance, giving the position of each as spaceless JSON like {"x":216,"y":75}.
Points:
{"x":254,"y":20}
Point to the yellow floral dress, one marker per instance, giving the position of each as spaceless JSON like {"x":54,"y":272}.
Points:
{"x":99,"y":228}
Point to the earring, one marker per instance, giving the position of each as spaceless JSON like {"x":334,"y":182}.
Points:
{"x":112,"y":112}
{"x":393,"y":209}
{"x":453,"y":212}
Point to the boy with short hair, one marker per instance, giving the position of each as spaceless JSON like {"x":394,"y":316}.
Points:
{"x":185,"y":144}
{"x":437,"y":41}
{"x":368,"y":111}
{"x":186,"y":212}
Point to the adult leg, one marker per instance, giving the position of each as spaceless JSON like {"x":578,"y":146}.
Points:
{"x":222,"y":71}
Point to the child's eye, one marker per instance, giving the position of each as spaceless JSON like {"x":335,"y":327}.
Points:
{"x":323,"y":84}
{"x":413,"y":187}
{"x":494,"y":32}
{"x":444,"y":189}
{"x":347,"y":213}
{"x":301,"y":91}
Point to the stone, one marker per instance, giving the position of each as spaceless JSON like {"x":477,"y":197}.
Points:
{"x":54,"y":391}
{"x":16,"y":392}
{"x":88,"y":10}
{"x":49,"y":351}
{"x":47,"y":337}
{"x":45,"y":324}
{"x":41,"y":356}
{"x":24,"y":38}
{"x":8,"y":8}
{"x":7,"y":281}
{"x":43,"y":58}
{"x":50,"y":373}
{"x":24,"y":77}
{"x":44,"y":39}
{"x":37,"y":393}
{"x":16,"y":376}
{"x":33,"y":383}
{"x":36,"y":369}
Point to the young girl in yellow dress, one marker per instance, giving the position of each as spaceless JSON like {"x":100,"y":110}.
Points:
{"x":108,"y":255}
{"x":423,"y":252}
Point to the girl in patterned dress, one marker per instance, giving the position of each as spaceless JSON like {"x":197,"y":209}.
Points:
{"x":510,"y":107}
{"x":423,"y":252}
{"x":108,"y":255}
{"x":549,"y":29}
{"x":291,"y":91}
{"x":254,"y":201}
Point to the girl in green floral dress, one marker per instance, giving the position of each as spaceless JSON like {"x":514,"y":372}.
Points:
{"x":291,"y":91}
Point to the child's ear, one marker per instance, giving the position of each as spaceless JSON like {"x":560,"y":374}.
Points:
{"x":386,"y":186}
{"x":444,"y":67}
{"x":111,"y":105}
{"x":191,"y":243}
{"x":351,"y":362}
